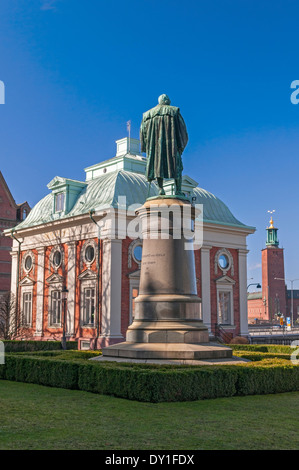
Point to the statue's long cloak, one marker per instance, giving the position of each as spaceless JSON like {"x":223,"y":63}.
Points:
{"x":163,"y":137}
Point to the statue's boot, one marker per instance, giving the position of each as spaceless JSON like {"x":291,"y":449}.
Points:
{"x":178,"y":187}
{"x":160,"y":184}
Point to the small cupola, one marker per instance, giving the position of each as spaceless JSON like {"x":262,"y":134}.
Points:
{"x":127,"y":158}
{"x":272,"y":239}
{"x":127,"y":146}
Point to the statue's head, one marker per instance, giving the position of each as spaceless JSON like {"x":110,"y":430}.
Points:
{"x":163,"y":99}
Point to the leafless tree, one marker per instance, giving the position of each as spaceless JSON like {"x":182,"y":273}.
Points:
{"x":11,"y":324}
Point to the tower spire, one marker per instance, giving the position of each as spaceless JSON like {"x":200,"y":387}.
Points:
{"x":272,"y":239}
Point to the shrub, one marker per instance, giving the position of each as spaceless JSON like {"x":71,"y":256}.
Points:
{"x":271,"y":348}
{"x":64,"y":355}
{"x":24,"y":346}
{"x":40,"y":371}
{"x":264,"y":380}
{"x":259,"y":356}
{"x":153,"y":383}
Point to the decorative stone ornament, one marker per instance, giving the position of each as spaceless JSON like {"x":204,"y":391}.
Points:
{"x":224,"y":261}
{"x":88,"y":254}
{"x":28,"y":262}
{"x":56,"y":257}
{"x":135,"y":252}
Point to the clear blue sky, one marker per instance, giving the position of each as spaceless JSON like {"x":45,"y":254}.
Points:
{"x":75,"y":72}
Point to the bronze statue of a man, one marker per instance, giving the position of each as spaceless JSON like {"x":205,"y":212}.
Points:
{"x":163,"y":137}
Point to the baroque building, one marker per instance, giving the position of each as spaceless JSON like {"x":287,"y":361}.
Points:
{"x":81,"y":238}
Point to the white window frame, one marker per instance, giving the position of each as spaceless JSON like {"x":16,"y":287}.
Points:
{"x":88,"y":284}
{"x":222,"y":320}
{"x":55,"y":284}
{"x":226,"y":285}
{"x":132,"y":246}
{"x":60,"y":202}
{"x":25,"y":323}
{"x":59,"y":302}
{"x":83,"y":260}
{"x":134,"y":284}
{"x":93,"y":299}
{"x":52,"y":254}
{"x":27,"y":254}
{"x":230,"y":266}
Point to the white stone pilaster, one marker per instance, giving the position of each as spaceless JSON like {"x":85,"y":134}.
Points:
{"x":14,"y":272}
{"x":71,"y":286}
{"x":206,"y":285}
{"x":243,"y":291}
{"x":40,"y":284}
{"x":111,"y":289}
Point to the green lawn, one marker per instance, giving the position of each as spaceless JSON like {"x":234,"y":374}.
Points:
{"x":37,"y":417}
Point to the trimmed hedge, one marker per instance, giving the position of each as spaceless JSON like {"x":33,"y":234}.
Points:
{"x":62,"y":355}
{"x":259,"y":356}
{"x":264,"y":380}
{"x":61,"y":374}
{"x":24,"y":346}
{"x":270,"y":348}
{"x":153,"y":383}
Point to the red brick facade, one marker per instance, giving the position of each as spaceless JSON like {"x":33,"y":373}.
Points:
{"x":256,"y":310}
{"x":50,"y":332}
{"x":128,"y":269}
{"x":273,"y":284}
{"x":233,"y":274}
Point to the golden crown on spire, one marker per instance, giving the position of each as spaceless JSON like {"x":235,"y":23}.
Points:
{"x":271,"y":220}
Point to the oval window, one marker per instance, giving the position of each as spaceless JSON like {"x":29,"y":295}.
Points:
{"x":28,"y":263}
{"x":223,"y":261}
{"x":57,"y":259}
{"x":89,"y":254}
{"x":137,"y":253}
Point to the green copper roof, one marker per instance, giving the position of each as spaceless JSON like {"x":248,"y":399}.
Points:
{"x":40,"y":214}
{"x":104,"y":192}
{"x":99,"y":194}
{"x":214,"y":210}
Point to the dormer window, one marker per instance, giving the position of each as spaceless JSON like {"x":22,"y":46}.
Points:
{"x":59,"y":202}
{"x":65,"y":194}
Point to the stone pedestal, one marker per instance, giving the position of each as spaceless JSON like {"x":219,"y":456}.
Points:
{"x":168,"y":322}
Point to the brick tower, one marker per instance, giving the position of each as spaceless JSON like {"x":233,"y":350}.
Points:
{"x":273,"y":280}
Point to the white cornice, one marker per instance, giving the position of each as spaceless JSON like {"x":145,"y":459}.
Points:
{"x":246,"y":230}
